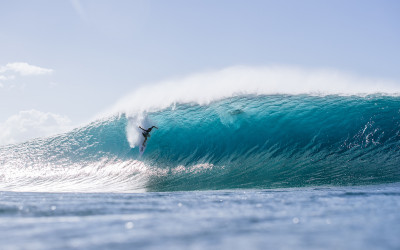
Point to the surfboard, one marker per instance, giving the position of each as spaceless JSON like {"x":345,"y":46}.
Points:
{"x":142,"y":148}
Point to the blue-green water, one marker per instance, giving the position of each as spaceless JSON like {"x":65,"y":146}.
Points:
{"x":242,"y":142}
{"x":294,"y":218}
{"x":246,"y":172}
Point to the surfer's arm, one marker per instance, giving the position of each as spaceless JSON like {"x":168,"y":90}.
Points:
{"x":142,"y":128}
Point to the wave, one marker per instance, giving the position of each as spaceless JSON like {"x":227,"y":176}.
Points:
{"x":245,"y":141}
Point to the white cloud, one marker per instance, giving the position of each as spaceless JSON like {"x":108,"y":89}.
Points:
{"x":25,"y":69}
{"x":6,"y":78}
{"x":31,"y":124}
{"x":7,"y":73}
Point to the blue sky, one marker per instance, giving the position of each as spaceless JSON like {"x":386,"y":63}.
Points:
{"x":90,"y":53}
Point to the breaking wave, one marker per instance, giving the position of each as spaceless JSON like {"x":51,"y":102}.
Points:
{"x":242,"y":141}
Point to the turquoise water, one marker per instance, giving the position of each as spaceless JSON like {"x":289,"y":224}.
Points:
{"x":273,"y":171}
{"x":243,"y":142}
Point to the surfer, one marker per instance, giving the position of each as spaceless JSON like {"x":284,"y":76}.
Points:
{"x":146,"y":133}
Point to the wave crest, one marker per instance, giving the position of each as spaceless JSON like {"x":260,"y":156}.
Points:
{"x":205,"y":88}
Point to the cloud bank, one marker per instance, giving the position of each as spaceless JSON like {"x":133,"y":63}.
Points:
{"x":30,"y":124}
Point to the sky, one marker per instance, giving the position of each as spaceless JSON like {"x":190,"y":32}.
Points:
{"x":63,"y":62}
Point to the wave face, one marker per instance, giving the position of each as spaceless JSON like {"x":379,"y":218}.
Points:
{"x":240,"y":142}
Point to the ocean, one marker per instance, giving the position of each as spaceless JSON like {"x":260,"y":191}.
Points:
{"x":244,"y":172}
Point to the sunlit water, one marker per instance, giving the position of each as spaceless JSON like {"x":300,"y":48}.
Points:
{"x":365,"y":217}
